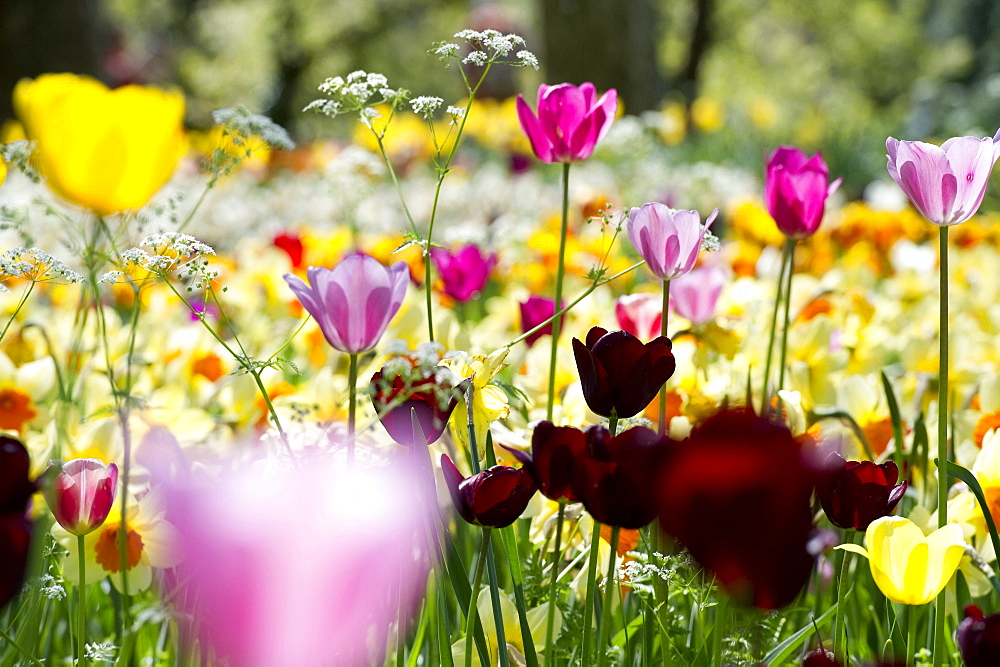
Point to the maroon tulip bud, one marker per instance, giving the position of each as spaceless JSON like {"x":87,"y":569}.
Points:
{"x":15,"y":487}
{"x":737,"y":495}
{"x":554,"y":449}
{"x":425,"y":390}
{"x":619,"y":374}
{"x":496,"y":497}
{"x":855,"y":493}
{"x":978,"y":637}
{"x":821,"y":657}
{"x":15,"y":529}
{"x":616,"y":479}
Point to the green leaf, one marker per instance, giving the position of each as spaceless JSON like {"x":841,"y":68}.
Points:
{"x":897,"y":422}
{"x":785,"y":648}
{"x":970,"y":480}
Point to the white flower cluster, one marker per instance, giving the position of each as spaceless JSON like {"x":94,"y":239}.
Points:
{"x":710,"y":242}
{"x":35,"y":265}
{"x":18,"y":153}
{"x":241,"y":125}
{"x":426,"y":106}
{"x":457,"y":113}
{"x":101,"y":652}
{"x":51,"y":588}
{"x":492,"y":46}
{"x":359,"y":92}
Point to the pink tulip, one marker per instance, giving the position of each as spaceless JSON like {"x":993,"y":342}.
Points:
{"x":945,"y":183}
{"x":464,"y":271}
{"x":80,"y":493}
{"x":570,"y":122}
{"x":694,"y":296}
{"x":795,"y":191}
{"x":668,"y":240}
{"x":309,"y":565}
{"x":534,"y":311}
{"x":353,"y":302}
{"x":640,"y":314}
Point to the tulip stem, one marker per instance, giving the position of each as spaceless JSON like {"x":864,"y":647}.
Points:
{"x":498,"y":621}
{"x":550,"y":617}
{"x":765,"y":400}
{"x":588,"y":610}
{"x":911,"y":634}
{"x":609,"y":587}
{"x":661,"y":426}
{"x":557,"y":302}
{"x":939,"y":616}
{"x":851,"y":539}
{"x":473,"y":616}
{"x":352,"y":392}
{"x":613,"y":423}
{"x":789,"y":271}
{"x":81,"y":619}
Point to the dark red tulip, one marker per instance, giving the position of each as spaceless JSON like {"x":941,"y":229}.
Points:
{"x":534,"y":311}
{"x":978,"y":638}
{"x":496,"y":497}
{"x":554,"y":449}
{"x":619,"y":374}
{"x":15,"y":529}
{"x":420,"y":391}
{"x":821,"y":657}
{"x":737,"y":495}
{"x":855,"y":493}
{"x":617,"y":478}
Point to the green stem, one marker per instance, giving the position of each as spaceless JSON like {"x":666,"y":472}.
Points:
{"x":557,"y":302}
{"x":939,"y":617}
{"x":852,"y":539}
{"x":790,"y":250}
{"x":765,"y":400}
{"x":491,"y":568}
{"x":911,"y":635}
{"x":473,"y":617}
{"x":81,"y":618}
{"x":352,"y":392}
{"x":613,"y":423}
{"x":588,"y":611}
{"x":19,"y":649}
{"x":550,"y":617}
{"x":17,"y":309}
{"x":609,"y":588}
{"x":662,"y":425}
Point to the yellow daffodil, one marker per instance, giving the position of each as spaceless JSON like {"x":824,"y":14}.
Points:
{"x":907,"y":566}
{"x":107,"y":150}
{"x":511,"y":629}
{"x":489,"y":402}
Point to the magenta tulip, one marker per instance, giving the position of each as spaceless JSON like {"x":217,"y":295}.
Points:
{"x":945,"y":183}
{"x":353,"y":302}
{"x":464,"y":271}
{"x":795,"y":191}
{"x":693,"y":296}
{"x":667,"y":239}
{"x":534,"y":311}
{"x":640,"y":314}
{"x":570,"y":121}
{"x":80,"y":493}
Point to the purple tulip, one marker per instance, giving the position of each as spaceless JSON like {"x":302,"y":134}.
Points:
{"x":534,"y":311}
{"x":570,"y":122}
{"x":945,"y":183}
{"x":464,"y":271}
{"x":300,"y":566}
{"x":795,"y":191}
{"x":978,"y":637}
{"x":640,"y":314}
{"x":669,"y":240}
{"x":693,"y":296}
{"x":353,"y":302}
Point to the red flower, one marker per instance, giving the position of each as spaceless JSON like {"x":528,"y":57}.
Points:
{"x":292,"y":245}
{"x":978,"y":637}
{"x":431,"y":400}
{"x":554,"y":451}
{"x":619,"y":374}
{"x":496,"y":497}
{"x":855,"y":493}
{"x":617,"y":479}
{"x":15,"y":529}
{"x":737,"y":495}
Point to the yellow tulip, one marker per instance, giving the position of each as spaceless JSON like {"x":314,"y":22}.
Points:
{"x":907,"y":566}
{"x":107,"y":150}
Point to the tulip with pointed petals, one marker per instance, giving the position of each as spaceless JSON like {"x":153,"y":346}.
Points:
{"x":795,"y":191}
{"x":570,"y":121}
{"x":554,"y":451}
{"x":495,"y":498}
{"x":15,"y":529}
{"x":616,"y":479}
{"x":534,"y":311}
{"x":619,"y":374}
{"x":354,"y":301}
{"x":737,"y":495}
{"x":80,"y":493}
{"x":464,"y":271}
{"x":668,"y":240}
{"x":945,"y":183}
{"x":855,"y":493}
{"x":978,"y":637}
{"x":397,"y":396}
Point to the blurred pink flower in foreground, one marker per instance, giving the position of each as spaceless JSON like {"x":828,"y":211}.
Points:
{"x":694,"y":295}
{"x":306,"y":566}
{"x":945,"y":183}
{"x":571,"y":120}
{"x":464,"y":271}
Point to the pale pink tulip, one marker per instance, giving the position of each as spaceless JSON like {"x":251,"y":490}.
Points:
{"x":667,"y":239}
{"x":694,"y":296}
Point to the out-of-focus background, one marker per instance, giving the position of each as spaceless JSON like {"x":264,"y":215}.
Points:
{"x":730,"y":79}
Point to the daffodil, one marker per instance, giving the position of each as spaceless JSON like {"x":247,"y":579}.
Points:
{"x":489,"y":402}
{"x":907,"y":566}
{"x":106,"y":150}
{"x":511,"y":629}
